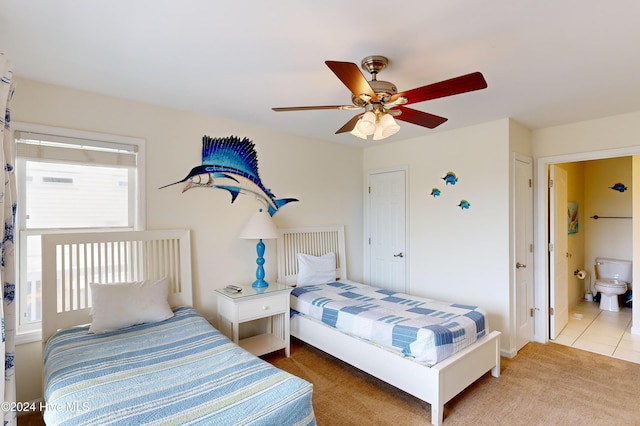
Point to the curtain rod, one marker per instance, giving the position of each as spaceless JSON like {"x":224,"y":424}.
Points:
{"x":610,"y":217}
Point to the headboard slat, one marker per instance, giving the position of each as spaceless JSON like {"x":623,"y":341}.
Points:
{"x":70,"y":262}
{"x":315,"y":241}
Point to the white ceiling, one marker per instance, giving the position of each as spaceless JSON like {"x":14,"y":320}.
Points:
{"x":546,"y":62}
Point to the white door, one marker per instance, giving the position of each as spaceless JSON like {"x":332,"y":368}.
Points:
{"x":558,"y":262}
{"x":387,"y":230}
{"x":524,"y":252}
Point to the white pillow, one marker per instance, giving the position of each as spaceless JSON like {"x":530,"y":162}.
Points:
{"x":316,"y":269}
{"x":121,"y":305}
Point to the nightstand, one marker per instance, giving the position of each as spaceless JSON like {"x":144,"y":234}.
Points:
{"x":271,"y":303}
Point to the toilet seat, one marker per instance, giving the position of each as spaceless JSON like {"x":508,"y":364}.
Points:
{"x":612,"y":284}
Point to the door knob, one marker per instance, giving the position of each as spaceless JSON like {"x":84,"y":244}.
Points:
{"x":399,"y":254}
{"x":520,"y":265}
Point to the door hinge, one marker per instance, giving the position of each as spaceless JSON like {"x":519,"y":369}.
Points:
{"x":550,"y":183}
{"x":369,"y":190}
{"x":551,"y":311}
{"x":369,"y":240}
{"x":530,"y":248}
{"x":530,"y":183}
{"x":550,"y":246}
{"x":533,"y":310}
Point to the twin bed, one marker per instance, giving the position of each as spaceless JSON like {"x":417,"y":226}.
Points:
{"x":435,"y":384}
{"x":177,"y":370}
{"x":174,"y":368}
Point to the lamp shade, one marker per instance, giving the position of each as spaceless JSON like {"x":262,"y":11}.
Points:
{"x":377,"y":135}
{"x":389,"y":126}
{"x":355,"y":132}
{"x":259,"y":227}
{"x":367,"y":124}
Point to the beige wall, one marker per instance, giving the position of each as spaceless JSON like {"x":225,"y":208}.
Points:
{"x":456,"y":254}
{"x":588,"y":136}
{"x":325,"y":177}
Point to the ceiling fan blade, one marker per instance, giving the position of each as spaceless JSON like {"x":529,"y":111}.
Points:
{"x":309,"y":108}
{"x":420,"y":118}
{"x":351,"y":76}
{"x":349,"y":125}
{"x":453,"y":86}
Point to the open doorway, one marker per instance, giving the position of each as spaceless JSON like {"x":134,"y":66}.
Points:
{"x":543,"y":282}
{"x":594,"y":221}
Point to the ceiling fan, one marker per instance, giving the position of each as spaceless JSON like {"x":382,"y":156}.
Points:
{"x":381,"y":100}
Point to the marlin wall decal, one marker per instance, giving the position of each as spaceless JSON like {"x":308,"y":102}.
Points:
{"x":231,"y":163}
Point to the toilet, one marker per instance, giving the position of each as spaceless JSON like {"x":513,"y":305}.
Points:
{"x":613,"y":278}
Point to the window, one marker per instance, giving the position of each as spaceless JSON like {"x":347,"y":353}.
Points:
{"x":70,"y":181}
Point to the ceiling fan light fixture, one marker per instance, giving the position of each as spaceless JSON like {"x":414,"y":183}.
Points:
{"x":388,"y":126}
{"x":377,"y":135}
{"x":355,"y":132}
{"x":367,"y":124}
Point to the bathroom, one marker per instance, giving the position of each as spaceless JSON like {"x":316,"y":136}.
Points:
{"x":592,"y":191}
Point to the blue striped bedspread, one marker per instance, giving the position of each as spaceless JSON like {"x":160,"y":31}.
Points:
{"x":424,"y":329}
{"x":178,"y":371}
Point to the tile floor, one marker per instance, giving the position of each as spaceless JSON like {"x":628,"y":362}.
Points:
{"x":603,"y":332}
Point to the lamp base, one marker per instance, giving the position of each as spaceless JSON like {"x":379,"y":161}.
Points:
{"x":260,"y":284}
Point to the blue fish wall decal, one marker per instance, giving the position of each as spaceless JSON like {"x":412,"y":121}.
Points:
{"x":450,"y":178}
{"x":464,"y":204}
{"x":435,"y":192}
{"x":231,"y":164}
{"x":618,"y":187}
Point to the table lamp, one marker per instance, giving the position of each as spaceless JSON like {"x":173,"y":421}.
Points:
{"x":259,"y":227}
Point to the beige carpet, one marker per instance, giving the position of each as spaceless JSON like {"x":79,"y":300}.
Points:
{"x":543,"y":385}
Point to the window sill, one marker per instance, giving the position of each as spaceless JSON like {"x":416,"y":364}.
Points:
{"x":28,"y":337}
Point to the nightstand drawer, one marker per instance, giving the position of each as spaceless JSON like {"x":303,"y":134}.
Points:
{"x":261,"y":307}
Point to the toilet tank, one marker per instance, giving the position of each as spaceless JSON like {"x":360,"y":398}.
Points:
{"x":613,"y":269}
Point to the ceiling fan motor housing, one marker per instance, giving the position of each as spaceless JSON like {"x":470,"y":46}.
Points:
{"x":374,"y":64}
{"x":383,"y":90}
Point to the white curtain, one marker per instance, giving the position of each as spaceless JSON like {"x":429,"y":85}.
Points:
{"x":7,"y":261}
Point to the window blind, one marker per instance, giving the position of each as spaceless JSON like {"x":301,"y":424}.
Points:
{"x":37,"y":146}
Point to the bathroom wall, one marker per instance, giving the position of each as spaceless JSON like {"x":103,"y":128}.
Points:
{"x":608,"y":237}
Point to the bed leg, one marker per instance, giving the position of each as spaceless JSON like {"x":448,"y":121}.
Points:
{"x":437,"y":413}
{"x":495,"y":371}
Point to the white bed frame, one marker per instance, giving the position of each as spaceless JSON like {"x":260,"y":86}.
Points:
{"x":71,"y":261}
{"x":436,"y":385}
